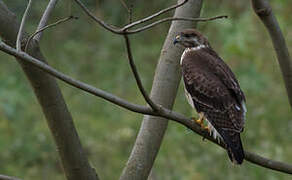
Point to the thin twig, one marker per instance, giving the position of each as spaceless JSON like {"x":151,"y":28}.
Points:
{"x":21,"y":28}
{"x":136,"y":75}
{"x":154,"y":15}
{"x":100,"y":22}
{"x":46,"y":27}
{"x":122,"y":30}
{"x":129,"y":10}
{"x":174,"y":19}
{"x":4,"y":177}
{"x":45,"y":18}
{"x":163,"y":112}
{"x":125,"y":6}
{"x":130,"y":14}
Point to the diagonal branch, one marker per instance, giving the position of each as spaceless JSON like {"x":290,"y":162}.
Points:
{"x":174,"y":19}
{"x":163,"y":112}
{"x":46,"y":27}
{"x":263,"y":9}
{"x":21,"y":28}
{"x":73,"y":82}
{"x":136,"y":75}
{"x":45,"y":18}
{"x":100,"y":22}
{"x":154,"y":15}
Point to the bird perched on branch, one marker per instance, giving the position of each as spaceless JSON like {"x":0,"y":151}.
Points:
{"x":212,"y":90}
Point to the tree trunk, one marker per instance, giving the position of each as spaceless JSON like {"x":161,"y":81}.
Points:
{"x":164,"y":89}
{"x":263,"y":9}
{"x":59,"y":119}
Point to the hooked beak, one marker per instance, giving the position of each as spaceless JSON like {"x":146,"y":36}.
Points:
{"x":177,"y":39}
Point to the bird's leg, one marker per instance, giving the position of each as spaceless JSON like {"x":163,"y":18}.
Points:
{"x":200,"y":121}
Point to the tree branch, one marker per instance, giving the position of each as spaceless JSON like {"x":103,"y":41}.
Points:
{"x":125,"y":6}
{"x":122,"y":31}
{"x":174,"y":19}
{"x":163,"y":112}
{"x":46,"y":27}
{"x":136,"y":75}
{"x":100,"y":22}
{"x":21,"y":28}
{"x":263,"y":9}
{"x":146,"y":19}
{"x":4,"y":177}
{"x":45,"y":18}
{"x":78,"y":84}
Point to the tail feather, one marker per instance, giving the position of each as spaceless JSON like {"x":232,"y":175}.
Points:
{"x":234,"y":146}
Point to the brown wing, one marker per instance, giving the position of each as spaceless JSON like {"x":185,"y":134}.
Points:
{"x":216,"y":92}
{"x":214,"y":89}
{"x":225,"y":74}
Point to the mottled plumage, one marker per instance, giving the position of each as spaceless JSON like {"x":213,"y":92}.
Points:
{"x":212,"y":89}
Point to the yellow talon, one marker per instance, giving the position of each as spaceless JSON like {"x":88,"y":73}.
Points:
{"x":200,"y":121}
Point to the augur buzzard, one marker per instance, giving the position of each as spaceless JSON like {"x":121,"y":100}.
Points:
{"x":212,"y":90}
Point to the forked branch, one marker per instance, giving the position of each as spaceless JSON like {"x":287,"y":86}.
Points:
{"x":125,"y":29}
{"x":45,"y":18}
{"x":47,"y":27}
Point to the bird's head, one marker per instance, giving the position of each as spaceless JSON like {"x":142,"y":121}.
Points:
{"x":190,"y":38}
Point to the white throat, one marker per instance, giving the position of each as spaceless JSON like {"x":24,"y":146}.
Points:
{"x":191,"y":49}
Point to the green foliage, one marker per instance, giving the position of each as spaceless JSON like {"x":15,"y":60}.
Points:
{"x":88,"y":53}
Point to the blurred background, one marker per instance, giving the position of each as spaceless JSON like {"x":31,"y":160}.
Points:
{"x":85,"y":51}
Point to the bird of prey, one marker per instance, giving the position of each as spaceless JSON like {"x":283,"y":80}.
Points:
{"x":212,"y":90}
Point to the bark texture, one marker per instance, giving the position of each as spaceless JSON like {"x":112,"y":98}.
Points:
{"x":164,"y":89}
{"x":74,"y":161}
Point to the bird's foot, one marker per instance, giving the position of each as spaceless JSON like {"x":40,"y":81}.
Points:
{"x":200,"y":121}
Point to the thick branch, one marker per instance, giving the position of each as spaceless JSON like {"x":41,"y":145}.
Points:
{"x":45,"y":18}
{"x":263,"y":9}
{"x":163,"y":112}
{"x":164,"y":89}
